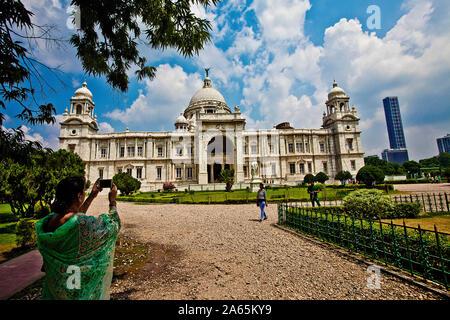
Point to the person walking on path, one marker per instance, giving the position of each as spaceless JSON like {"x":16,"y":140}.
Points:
{"x":261,"y":201}
{"x":313,"y":191}
{"x":77,"y":250}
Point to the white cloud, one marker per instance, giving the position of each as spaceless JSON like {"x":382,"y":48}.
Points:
{"x":281,"y":20}
{"x":161,"y":102}
{"x":245,"y":43}
{"x":105,"y":127}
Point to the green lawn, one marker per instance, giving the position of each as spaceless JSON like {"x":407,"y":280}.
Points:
{"x":442,"y":222}
{"x":294,"y":193}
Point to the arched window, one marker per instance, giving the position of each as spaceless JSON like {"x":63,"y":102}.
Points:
{"x":78,"y":109}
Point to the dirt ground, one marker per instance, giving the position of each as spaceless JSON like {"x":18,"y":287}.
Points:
{"x":224,"y":252}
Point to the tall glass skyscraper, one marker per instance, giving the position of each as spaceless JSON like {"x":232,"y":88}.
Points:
{"x":397,"y":152}
{"x":394,"y":123}
{"x":444,"y":143}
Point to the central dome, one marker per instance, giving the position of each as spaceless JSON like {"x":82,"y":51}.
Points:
{"x":207,"y":94}
{"x":206,"y":100}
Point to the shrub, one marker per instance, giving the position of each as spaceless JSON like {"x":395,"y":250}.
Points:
{"x":343,"y":175}
{"x":321,"y":177}
{"x":409,"y":181}
{"x":168,"y":187}
{"x":126,"y":183}
{"x":309,"y":178}
{"x":370,"y":204}
{"x":369,"y":174}
{"x":26,"y":232}
{"x":227,"y":177}
{"x":407,"y":210}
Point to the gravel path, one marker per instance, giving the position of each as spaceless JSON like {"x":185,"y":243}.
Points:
{"x":223,"y":252}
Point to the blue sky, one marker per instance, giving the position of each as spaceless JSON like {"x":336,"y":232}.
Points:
{"x":277,"y":61}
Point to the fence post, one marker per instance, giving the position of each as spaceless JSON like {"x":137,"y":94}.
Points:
{"x":339,"y":228}
{"x":373,"y":240}
{"x":441,"y":203}
{"x":440,"y":256}
{"x":395,"y":247}
{"x":347,"y":242}
{"x":362,"y":235}
{"x":382,"y":241}
{"x":354,"y":234}
{"x":435,"y":203}
{"x":446,"y":201}
{"x":425,"y":262}
{"x":407,"y":248}
{"x":430,"y":203}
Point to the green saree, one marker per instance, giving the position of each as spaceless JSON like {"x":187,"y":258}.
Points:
{"x":78,"y":256}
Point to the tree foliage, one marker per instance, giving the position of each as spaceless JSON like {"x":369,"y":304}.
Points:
{"x":411,"y":167}
{"x":126,"y":183}
{"x":227,"y":176}
{"x":321,"y":177}
{"x":25,"y":184}
{"x":309,"y":178}
{"x":388,"y":168}
{"x":343,"y":175}
{"x":369,"y":174}
{"x":107,"y":43}
{"x":18,"y":67}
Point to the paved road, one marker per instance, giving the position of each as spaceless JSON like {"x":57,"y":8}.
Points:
{"x":18,"y":273}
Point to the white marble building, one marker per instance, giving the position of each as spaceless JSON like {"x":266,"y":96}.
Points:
{"x":210,"y":136}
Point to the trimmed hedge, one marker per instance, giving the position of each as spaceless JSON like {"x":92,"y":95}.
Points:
{"x":401,"y":210}
{"x":407,"y":210}
{"x":409,"y":181}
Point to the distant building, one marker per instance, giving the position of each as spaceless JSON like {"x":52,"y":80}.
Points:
{"x":444,"y":143}
{"x":397,"y":152}
{"x":394,"y":123}
{"x":395,"y":155}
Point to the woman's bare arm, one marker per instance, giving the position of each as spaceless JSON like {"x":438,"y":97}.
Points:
{"x":95,"y":190}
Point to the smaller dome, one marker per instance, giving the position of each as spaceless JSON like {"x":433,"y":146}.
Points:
{"x":336,"y":92}
{"x":83,"y":92}
{"x":181,"y":120}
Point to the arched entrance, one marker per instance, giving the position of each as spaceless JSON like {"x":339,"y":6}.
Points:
{"x":220,"y":155}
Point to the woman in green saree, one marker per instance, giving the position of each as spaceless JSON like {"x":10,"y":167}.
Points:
{"x":78,"y":250}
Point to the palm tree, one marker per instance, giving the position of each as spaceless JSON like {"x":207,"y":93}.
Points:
{"x":227,"y":176}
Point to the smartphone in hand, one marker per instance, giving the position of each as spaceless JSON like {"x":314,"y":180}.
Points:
{"x":105,"y":183}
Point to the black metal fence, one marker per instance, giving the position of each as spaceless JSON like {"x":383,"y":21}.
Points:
{"x":431,"y":202}
{"x":420,"y":252}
